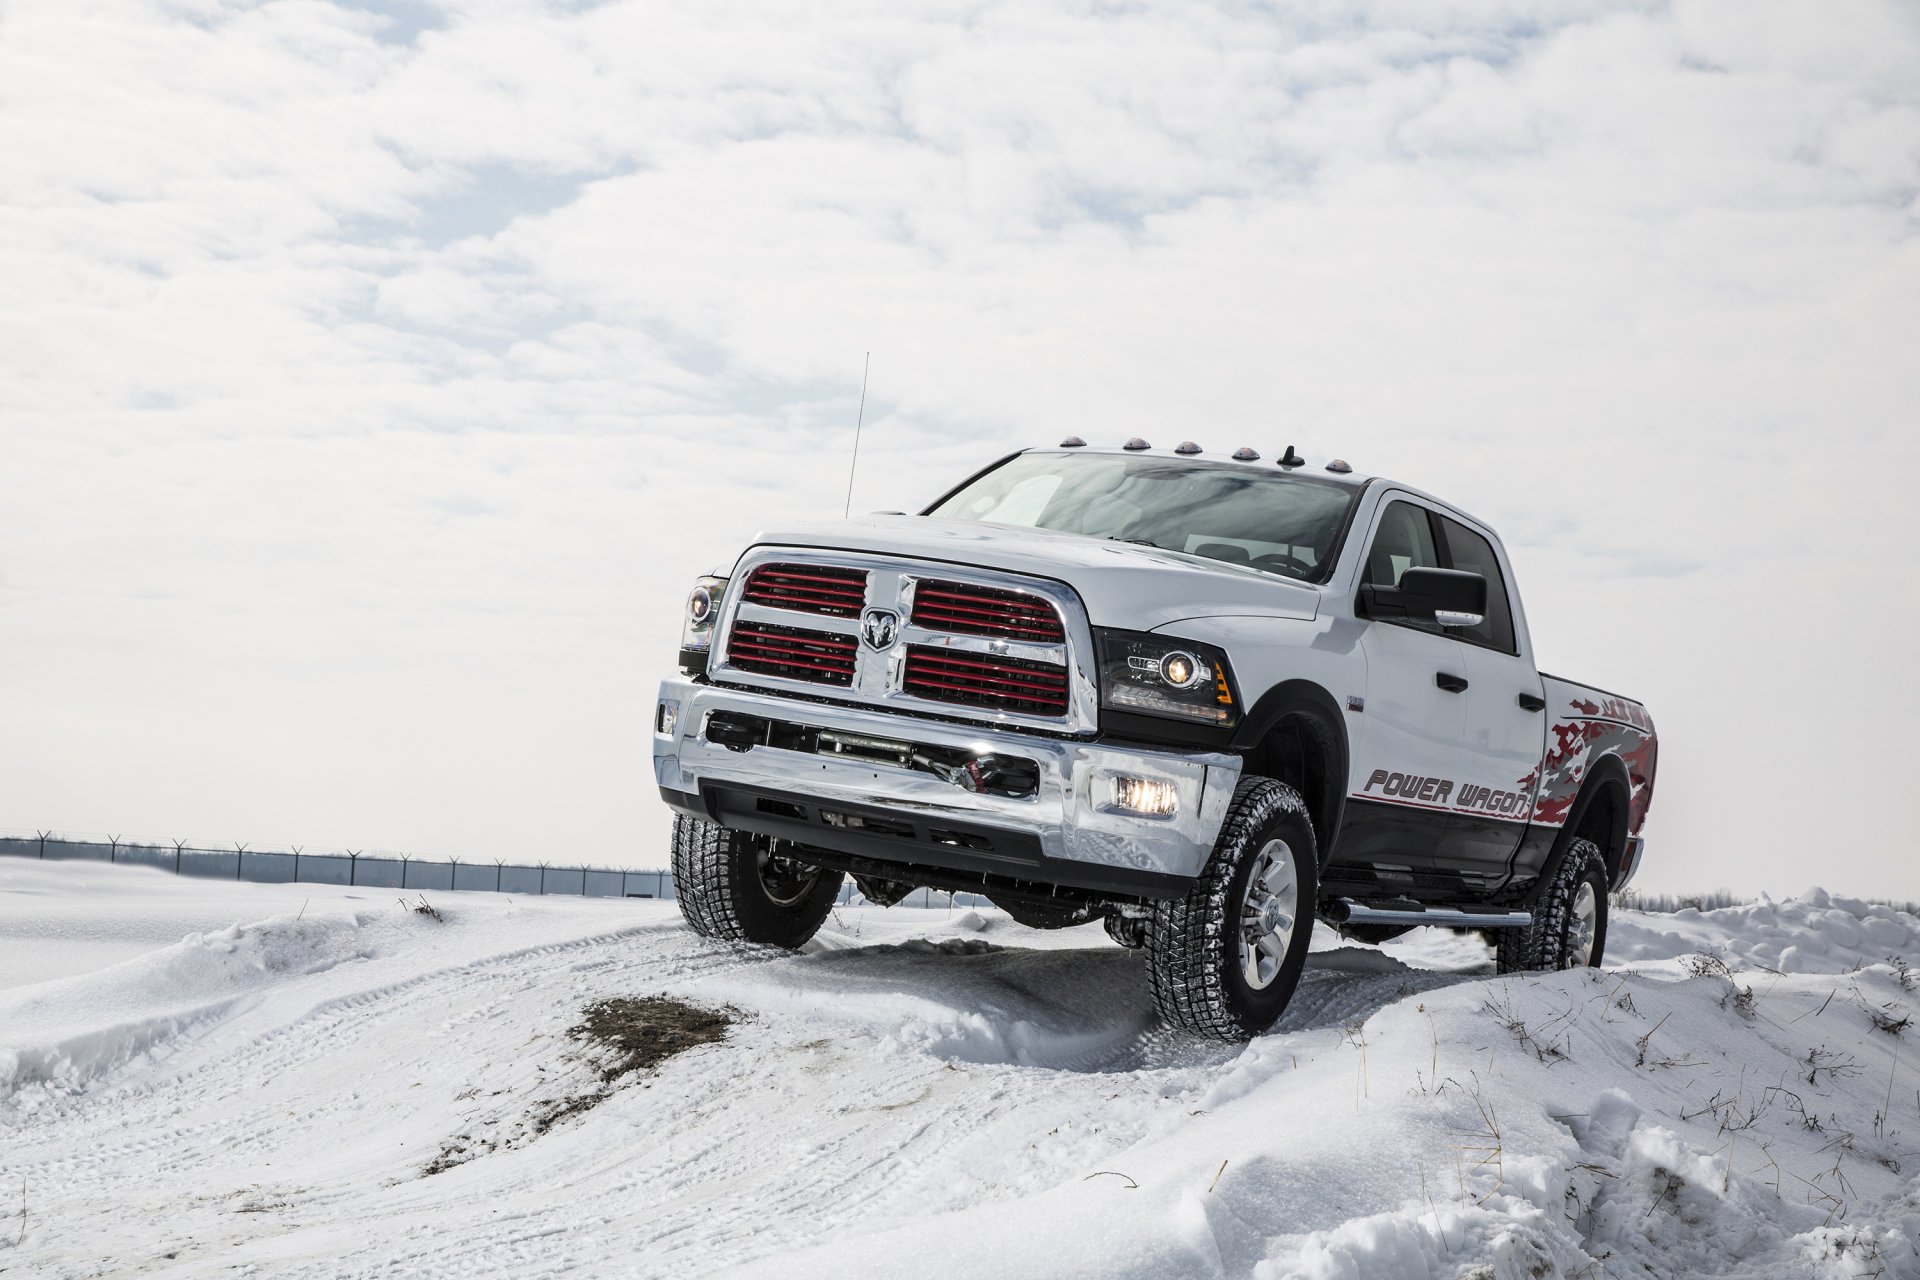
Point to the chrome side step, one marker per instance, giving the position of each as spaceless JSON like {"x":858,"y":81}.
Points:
{"x":1347,"y":911}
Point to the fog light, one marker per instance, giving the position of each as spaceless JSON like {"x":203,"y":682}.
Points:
{"x":1148,"y":797}
{"x":668,"y":717}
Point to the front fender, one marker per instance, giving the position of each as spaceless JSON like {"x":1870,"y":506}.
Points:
{"x":1291,"y":670}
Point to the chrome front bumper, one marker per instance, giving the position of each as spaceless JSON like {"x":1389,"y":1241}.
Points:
{"x":1070,"y":816}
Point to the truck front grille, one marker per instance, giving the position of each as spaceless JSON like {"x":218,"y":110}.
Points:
{"x":793,"y":652}
{"x":920,"y":637}
{"x":975,"y":610}
{"x":808,"y":588}
{"x":986,"y":680}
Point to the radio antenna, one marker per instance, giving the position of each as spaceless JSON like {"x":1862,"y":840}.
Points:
{"x":858,"y":422}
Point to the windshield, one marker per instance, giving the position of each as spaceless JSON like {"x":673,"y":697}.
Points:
{"x":1274,"y":521}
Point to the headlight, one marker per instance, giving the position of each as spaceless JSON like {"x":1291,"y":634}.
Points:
{"x":1162,"y":676}
{"x":696,"y":632}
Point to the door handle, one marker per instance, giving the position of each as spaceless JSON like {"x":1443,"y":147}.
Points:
{"x":1451,"y":683}
{"x":1532,"y":702}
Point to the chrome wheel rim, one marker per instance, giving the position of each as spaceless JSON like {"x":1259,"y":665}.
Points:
{"x":1268,"y":912}
{"x":1582,"y":926}
{"x":783,"y":880}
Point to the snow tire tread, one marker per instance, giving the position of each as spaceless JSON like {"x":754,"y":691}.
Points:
{"x":1186,"y":944}
{"x":1543,"y":944}
{"x":714,"y":867}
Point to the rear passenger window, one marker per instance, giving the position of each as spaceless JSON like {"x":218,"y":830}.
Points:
{"x":1468,"y":550}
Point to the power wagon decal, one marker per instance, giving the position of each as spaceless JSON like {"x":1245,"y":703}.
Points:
{"x":1439,"y":793}
{"x":1545,"y":796}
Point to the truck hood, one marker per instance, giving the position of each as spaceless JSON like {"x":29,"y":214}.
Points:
{"x":1122,"y":584}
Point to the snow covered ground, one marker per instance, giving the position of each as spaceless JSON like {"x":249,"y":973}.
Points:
{"x":206,"y":1079}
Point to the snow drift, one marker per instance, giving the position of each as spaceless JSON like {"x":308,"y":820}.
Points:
{"x":352,"y":1089}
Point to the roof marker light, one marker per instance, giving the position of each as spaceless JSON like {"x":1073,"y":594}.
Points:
{"x":1073,"y":442}
{"x":1136,"y":444}
{"x":1244,"y":454}
{"x":1339,"y":466}
{"x":1187,"y":447}
{"x":1290,"y":459}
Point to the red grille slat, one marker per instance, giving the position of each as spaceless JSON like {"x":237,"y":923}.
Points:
{"x":986,"y":680}
{"x":974,"y":598}
{"x":999,"y":674}
{"x":793,"y":652}
{"x":805,"y":588}
{"x":985,"y":611}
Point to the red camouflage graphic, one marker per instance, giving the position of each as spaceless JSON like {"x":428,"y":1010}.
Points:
{"x":1594,"y":730}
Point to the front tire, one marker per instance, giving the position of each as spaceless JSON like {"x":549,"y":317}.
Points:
{"x":1569,"y":929}
{"x":734,"y":886}
{"x":1223,"y":959}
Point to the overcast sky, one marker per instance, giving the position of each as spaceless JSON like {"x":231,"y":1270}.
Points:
{"x":375,"y":377}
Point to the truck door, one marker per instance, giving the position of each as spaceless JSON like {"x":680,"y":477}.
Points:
{"x":1403,"y":763}
{"x":1499,"y":762}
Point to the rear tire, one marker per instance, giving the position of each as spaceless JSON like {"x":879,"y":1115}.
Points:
{"x":1569,"y":929}
{"x":1223,"y":959}
{"x":734,"y":886}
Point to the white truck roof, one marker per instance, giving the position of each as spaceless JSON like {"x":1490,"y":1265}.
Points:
{"x":1188,"y":451}
{"x":1324,"y":467}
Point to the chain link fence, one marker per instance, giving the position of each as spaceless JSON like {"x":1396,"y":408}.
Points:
{"x":364,"y":870}
{"x":387,"y":870}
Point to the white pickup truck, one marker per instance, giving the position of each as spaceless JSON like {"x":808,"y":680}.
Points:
{"x":1205,"y":699}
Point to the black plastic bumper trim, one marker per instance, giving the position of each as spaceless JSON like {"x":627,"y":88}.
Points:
{"x":951,"y":852}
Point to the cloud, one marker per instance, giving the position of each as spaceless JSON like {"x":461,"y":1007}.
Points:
{"x":375,"y":376}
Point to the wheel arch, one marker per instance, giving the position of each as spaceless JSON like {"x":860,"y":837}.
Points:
{"x":1296,"y":734}
{"x":1600,"y":813}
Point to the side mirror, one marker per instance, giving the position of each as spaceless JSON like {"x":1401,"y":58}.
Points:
{"x":1450,"y":597}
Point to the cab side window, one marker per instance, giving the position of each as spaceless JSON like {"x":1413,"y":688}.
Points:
{"x":1468,"y":550}
{"x":1402,"y":541}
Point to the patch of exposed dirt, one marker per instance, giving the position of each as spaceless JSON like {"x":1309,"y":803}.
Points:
{"x":637,"y":1034}
{"x":621,"y":1036}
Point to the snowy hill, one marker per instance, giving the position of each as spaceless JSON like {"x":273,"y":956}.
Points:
{"x":319,"y":1082}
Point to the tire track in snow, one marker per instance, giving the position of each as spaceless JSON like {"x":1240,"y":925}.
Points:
{"x":796,"y":1128}
{"x":229,"y":1072}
